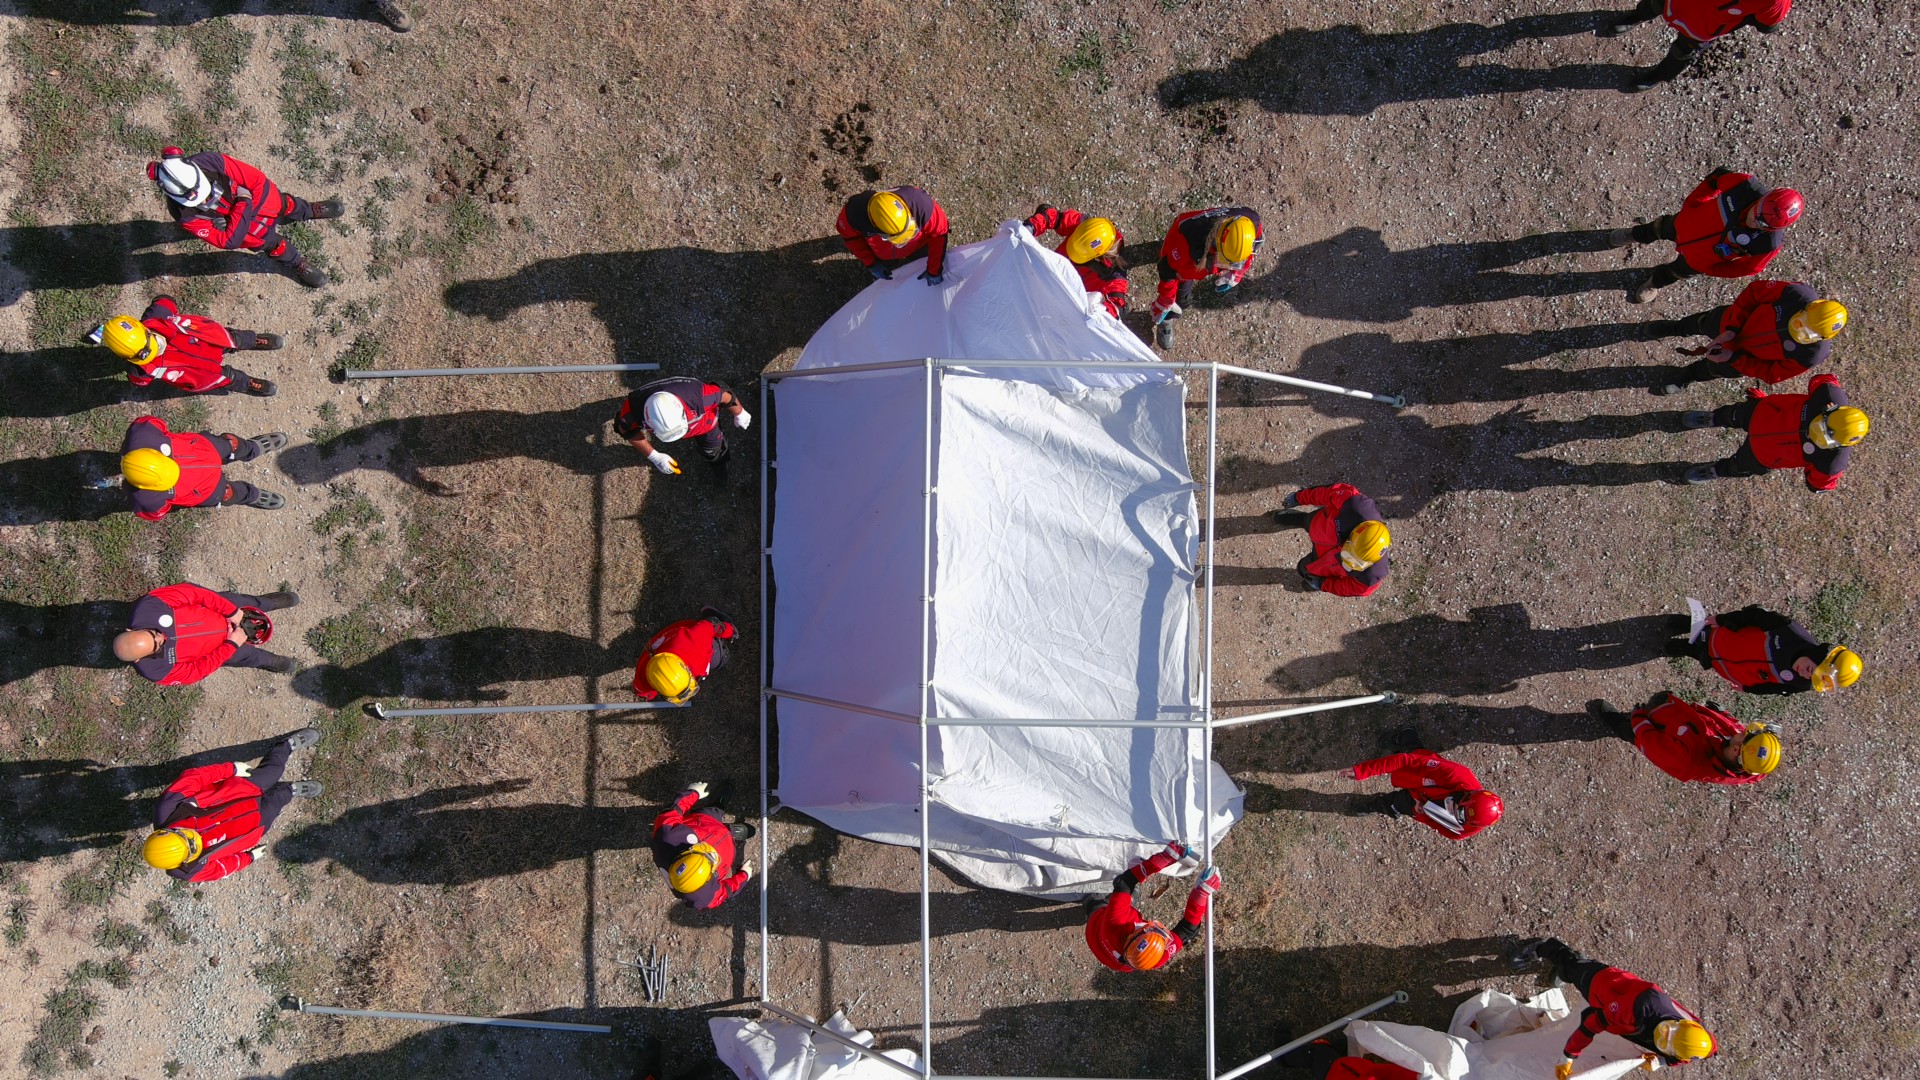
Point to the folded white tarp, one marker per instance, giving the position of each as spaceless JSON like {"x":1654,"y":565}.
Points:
{"x":774,"y":1049}
{"x":1064,"y":537}
{"x":1495,"y":1036}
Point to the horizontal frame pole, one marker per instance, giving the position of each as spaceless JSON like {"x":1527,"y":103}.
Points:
{"x":384,"y":713}
{"x":864,"y":1050}
{"x":1008,"y":721}
{"x":849,"y":706}
{"x":1303,"y":710}
{"x":296,"y":1005}
{"x":531,"y":369}
{"x":1398,"y":997}
{"x":1394,"y":400}
{"x":844,"y":369}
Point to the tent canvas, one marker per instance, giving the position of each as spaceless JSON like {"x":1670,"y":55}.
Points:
{"x":1061,"y":546}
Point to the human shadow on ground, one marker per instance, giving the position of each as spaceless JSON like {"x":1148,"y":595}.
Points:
{"x":722,"y":315}
{"x":34,"y":491}
{"x":1482,"y":367}
{"x":1308,"y":744}
{"x":1355,"y":277}
{"x":1489,"y":652}
{"x":35,"y":637}
{"x":57,"y":806}
{"x":404,"y":447}
{"x":1256,"y":989}
{"x":472,"y":665}
{"x":66,"y":380}
{"x":1348,"y":71}
{"x":188,"y":12}
{"x":80,"y":257}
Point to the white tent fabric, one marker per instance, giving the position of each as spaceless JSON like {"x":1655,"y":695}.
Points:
{"x":1495,"y":1036}
{"x":776,"y":1049}
{"x":1064,"y":544}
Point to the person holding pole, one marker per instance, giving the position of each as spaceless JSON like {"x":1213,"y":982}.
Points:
{"x":669,"y":410}
{"x":682,"y":654}
{"x":1620,"y":1002}
{"x":1125,"y":940}
{"x":1350,"y":539}
{"x":210,"y":822}
{"x":697,"y":851}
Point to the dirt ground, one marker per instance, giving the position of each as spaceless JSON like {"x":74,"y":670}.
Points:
{"x":643,"y":182}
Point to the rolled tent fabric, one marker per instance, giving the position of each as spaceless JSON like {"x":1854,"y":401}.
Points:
{"x":1495,"y":1036}
{"x":777,"y":1049}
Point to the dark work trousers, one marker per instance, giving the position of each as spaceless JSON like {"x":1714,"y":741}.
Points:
{"x":1570,"y":967}
{"x":713,"y":444}
{"x":1702,"y":324}
{"x":1662,"y":229}
{"x":719,"y":656}
{"x":240,"y":378}
{"x":252,"y":656}
{"x":1648,"y":9}
{"x":1741,"y":462}
{"x":234,"y":448}
{"x":1680,"y":646}
{"x":275,"y":245}
{"x":274,"y":795}
{"x":1679,"y":55}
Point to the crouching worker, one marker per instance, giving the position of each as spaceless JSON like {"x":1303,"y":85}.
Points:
{"x":1350,"y":539}
{"x":210,"y":822}
{"x":696,"y":851}
{"x":681,"y":655}
{"x":1124,"y":940}
{"x":1620,"y":1002}
{"x":668,"y":410}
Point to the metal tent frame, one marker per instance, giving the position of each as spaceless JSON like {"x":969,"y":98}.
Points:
{"x":934,"y":369}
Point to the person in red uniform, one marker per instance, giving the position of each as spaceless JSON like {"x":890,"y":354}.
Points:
{"x":681,"y":655}
{"x":1349,"y":555}
{"x":233,"y":206}
{"x":697,"y":851}
{"x":886,"y":229}
{"x":1773,"y":331}
{"x":1620,"y":1002}
{"x":1764,"y":652}
{"x":1322,"y":1060}
{"x":196,"y":459}
{"x":1698,"y":743}
{"x":1093,"y":246}
{"x":180,"y":634}
{"x":1125,"y":940}
{"x":1443,"y":795}
{"x":210,"y":822}
{"x":187,"y":352}
{"x":1698,"y":23}
{"x":671,"y":409}
{"x":1729,"y":226}
{"x":1813,"y":432}
{"x":1217,"y":243}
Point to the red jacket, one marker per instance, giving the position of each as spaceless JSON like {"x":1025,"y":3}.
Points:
{"x":867,"y":245}
{"x":1344,"y":508}
{"x":1705,"y":20}
{"x":201,"y":482}
{"x":1102,"y":277}
{"x":1710,"y":235}
{"x":700,"y":400}
{"x":1777,"y":432}
{"x":679,"y":829}
{"x":244,"y":207}
{"x":223,"y":807}
{"x":196,"y":351}
{"x":194,"y":622}
{"x":1429,"y":778}
{"x":689,"y":639}
{"x":1762,"y":346}
{"x":1684,"y":741}
{"x":1185,"y":254}
{"x":1353,"y":1068}
{"x":1113,"y":922}
{"x":1629,"y":1006}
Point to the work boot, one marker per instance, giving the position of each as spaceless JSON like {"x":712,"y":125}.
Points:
{"x":1695,"y":419}
{"x":1383,"y":804}
{"x":1163,"y":334}
{"x":1618,"y":722}
{"x":280,"y":665}
{"x":1702,"y":474}
{"x":307,"y":789}
{"x":389,"y":10}
{"x":271,"y":441}
{"x":1644,"y":291}
{"x":274,"y":601}
{"x":327,"y":208}
{"x":1638,"y":85}
{"x":268,"y":500}
{"x":303,"y":738}
{"x":267,"y":342}
{"x":310,"y":276}
{"x":1527,"y":956}
{"x":258,"y":387}
{"x":1620,"y":237}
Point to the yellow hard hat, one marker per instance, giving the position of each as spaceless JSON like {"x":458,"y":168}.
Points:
{"x":1091,"y":239}
{"x":1236,"y":239}
{"x":149,"y":470}
{"x":1844,"y":426}
{"x":670,"y":677}
{"x":693,"y":869}
{"x":888,"y":213}
{"x":171,"y":849}
{"x":125,"y":338}
{"x":1682,"y":1039}
{"x":1842,"y":667}
{"x":1760,"y":753}
{"x":1365,"y":545}
{"x":1818,"y":321}
{"x":1147,"y":948}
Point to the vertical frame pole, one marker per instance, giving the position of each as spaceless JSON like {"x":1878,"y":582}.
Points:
{"x":926,"y":695}
{"x":1206,"y":740}
{"x":766,"y":572}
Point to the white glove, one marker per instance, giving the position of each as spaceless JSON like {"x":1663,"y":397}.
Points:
{"x":742,"y":418}
{"x":258,"y":851}
{"x":664,"y":462}
{"x":699,"y":789}
{"x":241,"y":768}
{"x":746,"y":868}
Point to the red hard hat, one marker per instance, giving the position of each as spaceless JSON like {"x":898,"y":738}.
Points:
{"x":1780,"y":208}
{"x":1483,"y":808}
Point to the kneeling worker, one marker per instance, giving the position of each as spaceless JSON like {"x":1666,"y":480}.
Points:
{"x":1124,"y":940}
{"x":668,"y":410}
{"x":1623,"y":1003}
{"x":696,"y":851}
{"x":210,"y":821}
{"x":1350,"y":539}
{"x":681,"y":655}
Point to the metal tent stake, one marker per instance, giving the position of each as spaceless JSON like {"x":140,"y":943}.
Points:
{"x":533,"y":369}
{"x":381,"y":712}
{"x":294,"y":1004}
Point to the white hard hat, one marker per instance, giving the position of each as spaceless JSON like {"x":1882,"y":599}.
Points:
{"x":666,"y":417}
{"x":183,"y":181}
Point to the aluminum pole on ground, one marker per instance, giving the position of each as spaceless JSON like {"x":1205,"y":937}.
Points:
{"x":1398,"y":997}
{"x":379,"y":711}
{"x":528,"y":369}
{"x":294,"y":1004}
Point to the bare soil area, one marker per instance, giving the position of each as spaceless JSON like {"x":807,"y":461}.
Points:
{"x":589,"y":181}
